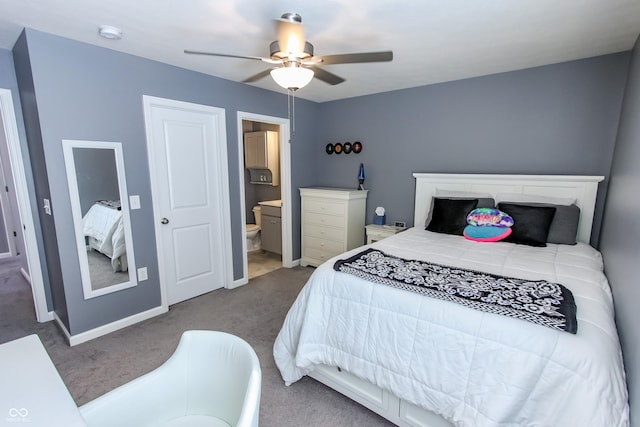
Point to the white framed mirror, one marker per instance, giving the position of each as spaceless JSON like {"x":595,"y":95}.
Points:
{"x":100,"y":209}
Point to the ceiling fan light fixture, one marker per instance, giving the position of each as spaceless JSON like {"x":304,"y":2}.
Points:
{"x":292,"y":78}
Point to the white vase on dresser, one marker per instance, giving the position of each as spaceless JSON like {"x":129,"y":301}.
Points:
{"x":333,"y":222}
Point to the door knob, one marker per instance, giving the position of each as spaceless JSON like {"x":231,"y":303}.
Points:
{"x":164,"y":221}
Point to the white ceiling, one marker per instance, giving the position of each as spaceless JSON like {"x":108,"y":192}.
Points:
{"x":432,"y":40}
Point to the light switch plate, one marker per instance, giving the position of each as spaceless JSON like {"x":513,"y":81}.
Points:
{"x":47,"y":206}
{"x":142,"y":274}
{"x":134,"y":202}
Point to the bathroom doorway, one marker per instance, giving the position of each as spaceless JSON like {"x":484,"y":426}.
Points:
{"x":265,"y":172}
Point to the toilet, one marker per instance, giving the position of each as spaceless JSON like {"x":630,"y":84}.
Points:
{"x":253,"y":231}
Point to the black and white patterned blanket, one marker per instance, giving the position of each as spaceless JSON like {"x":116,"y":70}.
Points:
{"x":537,"y":301}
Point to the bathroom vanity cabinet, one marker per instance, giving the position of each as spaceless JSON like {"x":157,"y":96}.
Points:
{"x":262,"y":153}
{"x":271,"y":229}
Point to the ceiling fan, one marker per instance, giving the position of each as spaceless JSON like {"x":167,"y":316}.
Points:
{"x":294,"y":60}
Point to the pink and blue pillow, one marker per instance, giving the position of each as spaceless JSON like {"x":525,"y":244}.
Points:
{"x":487,"y":225}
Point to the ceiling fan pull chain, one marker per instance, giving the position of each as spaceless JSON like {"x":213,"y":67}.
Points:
{"x":291,"y":111}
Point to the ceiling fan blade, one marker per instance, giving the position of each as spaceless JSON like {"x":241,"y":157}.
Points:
{"x":256,"y":77}
{"x":290,"y":35}
{"x":226,"y":55}
{"x":326,"y":76}
{"x":351,"y":58}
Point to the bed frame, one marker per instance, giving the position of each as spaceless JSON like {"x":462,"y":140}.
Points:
{"x":582,"y":188}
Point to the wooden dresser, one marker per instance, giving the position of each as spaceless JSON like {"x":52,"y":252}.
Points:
{"x":332,"y":222}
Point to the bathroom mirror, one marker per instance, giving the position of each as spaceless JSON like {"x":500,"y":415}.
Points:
{"x":100,"y":209}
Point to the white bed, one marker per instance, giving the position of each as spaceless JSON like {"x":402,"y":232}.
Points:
{"x":104,"y":231}
{"x":420,"y":361}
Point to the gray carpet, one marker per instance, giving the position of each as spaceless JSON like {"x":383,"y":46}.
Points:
{"x":254,"y":312}
{"x":101,"y":271}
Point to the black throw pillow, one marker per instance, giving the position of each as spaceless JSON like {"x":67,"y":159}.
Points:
{"x":530,"y":223}
{"x":450,"y":215}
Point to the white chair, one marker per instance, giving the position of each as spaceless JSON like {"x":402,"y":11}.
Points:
{"x":212,"y":379}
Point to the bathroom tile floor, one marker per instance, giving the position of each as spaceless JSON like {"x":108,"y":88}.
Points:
{"x":262,"y":262}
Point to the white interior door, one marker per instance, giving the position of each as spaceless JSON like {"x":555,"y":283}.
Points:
{"x":188,"y":165}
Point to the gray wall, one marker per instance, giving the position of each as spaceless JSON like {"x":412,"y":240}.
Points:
{"x":96,"y":176}
{"x":556,"y":119}
{"x":620,"y":240}
{"x":90,"y":93}
{"x":48,"y":241}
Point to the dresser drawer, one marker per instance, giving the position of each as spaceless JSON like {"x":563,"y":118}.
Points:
{"x":321,"y":232}
{"x":325,"y":206}
{"x":322,"y":253}
{"x":323,"y":244}
{"x":317,"y":257}
{"x":311,"y":218}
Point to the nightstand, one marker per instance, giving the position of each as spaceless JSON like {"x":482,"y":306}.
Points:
{"x":378,"y":232}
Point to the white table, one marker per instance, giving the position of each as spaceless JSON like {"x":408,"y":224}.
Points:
{"x":31,"y":390}
{"x":377,"y":232}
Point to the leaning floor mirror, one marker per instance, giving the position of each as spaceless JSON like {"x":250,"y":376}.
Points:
{"x":100,"y":209}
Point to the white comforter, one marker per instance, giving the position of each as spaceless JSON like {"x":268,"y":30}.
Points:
{"x":471,"y":367}
{"x":104,"y":225}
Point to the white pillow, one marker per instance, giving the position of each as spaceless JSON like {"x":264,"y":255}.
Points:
{"x":533,"y":198}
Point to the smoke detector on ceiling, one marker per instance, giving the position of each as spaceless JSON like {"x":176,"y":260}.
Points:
{"x":109,"y":32}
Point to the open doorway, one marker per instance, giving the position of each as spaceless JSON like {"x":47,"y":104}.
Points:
{"x":265,"y":182}
{"x":32,"y":273}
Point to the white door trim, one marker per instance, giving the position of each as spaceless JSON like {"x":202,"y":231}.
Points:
{"x":285,"y":189}
{"x":223,"y":182}
{"x":24,"y":207}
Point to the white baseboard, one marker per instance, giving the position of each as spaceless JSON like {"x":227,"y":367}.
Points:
{"x":26,"y":276}
{"x":47,"y":316}
{"x":65,"y":331}
{"x":294,"y":263}
{"x":110,"y":327}
{"x":237,"y":283}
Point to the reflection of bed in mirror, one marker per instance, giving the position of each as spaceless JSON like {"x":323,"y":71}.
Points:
{"x":104,"y":232}
{"x":100,"y":210}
